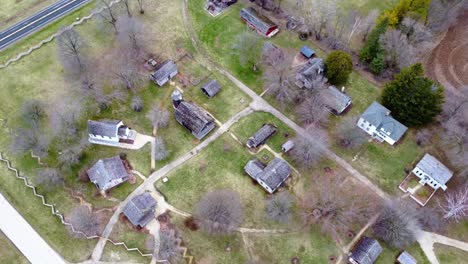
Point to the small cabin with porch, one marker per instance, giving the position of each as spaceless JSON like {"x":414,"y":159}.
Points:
{"x":108,"y":173}
{"x":110,"y":132}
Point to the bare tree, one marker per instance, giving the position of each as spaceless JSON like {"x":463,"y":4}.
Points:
{"x":272,"y":55}
{"x":64,"y":118}
{"x":348,"y":135}
{"x":49,"y":179}
{"x":32,"y":113}
{"x":84,"y":220}
{"x":160,"y":150}
{"x":126,"y":4}
{"x":169,"y":246}
{"x":248,"y":47}
{"x":309,"y":151}
{"x":158,"y":117}
{"x":455,"y":206}
{"x":72,"y":153}
{"x":335,"y":204}
{"x":430,"y":219}
{"x":368,"y":24}
{"x":137,"y":103}
{"x":279,"y":84}
{"x":220,"y":212}
{"x":140,"y":6}
{"x":109,"y":13}
{"x":279,"y":207}
{"x":397,"y":224}
{"x":131,"y":34}
{"x":70,"y":46}
{"x":399,"y":53}
{"x":318,"y":16}
{"x":313,"y":111}
{"x":423,"y":137}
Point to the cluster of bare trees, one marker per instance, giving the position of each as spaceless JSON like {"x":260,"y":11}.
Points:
{"x":408,"y":44}
{"x":49,"y":178}
{"x":169,"y":246}
{"x":220,"y":212}
{"x":455,"y":125}
{"x":335,"y":204}
{"x":348,"y":135}
{"x":158,"y":117}
{"x":328,"y":21}
{"x":248,"y":49}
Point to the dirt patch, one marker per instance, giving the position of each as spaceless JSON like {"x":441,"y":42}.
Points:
{"x":448,"y":62}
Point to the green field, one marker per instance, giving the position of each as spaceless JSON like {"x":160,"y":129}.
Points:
{"x":450,"y":255}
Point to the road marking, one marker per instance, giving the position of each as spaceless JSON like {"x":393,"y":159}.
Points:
{"x":35,"y":21}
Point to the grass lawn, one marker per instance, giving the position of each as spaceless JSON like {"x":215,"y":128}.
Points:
{"x":309,"y":247}
{"x":118,"y":254}
{"x":40,"y":217}
{"x":246,"y":127}
{"x":133,"y":238}
{"x":450,"y":255}
{"x":211,"y":249}
{"x":219,"y":166}
{"x":9,"y":253}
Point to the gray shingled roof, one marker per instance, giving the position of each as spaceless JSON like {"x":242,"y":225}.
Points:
{"x":105,"y":127}
{"x":164,"y":70}
{"x":105,"y":171}
{"x":335,"y":99}
{"x":287,"y":146}
{"x":211,"y":88}
{"x":435,"y":169}
{"x":265,"y":132}
{"x":140,"y":210}
{"x":275,"y":173}
{"x":379,"y":116}
{"x":260,"y":23}
{"x":254,"y":167}
{"x":193,"y":117}
{"x":406,"y":258}
{"x":367,"y":251}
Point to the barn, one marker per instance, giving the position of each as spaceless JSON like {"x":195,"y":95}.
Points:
{"x":261,"y":24}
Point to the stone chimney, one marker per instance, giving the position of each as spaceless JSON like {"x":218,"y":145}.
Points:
{"x":176,"y":98}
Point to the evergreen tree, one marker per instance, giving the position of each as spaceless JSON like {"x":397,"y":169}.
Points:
{"x":413,"y":98}
{"x":339,"y":66}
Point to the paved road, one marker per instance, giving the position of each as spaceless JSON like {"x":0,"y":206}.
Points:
{"x":25,"y":238}
{"x":38,"y":20}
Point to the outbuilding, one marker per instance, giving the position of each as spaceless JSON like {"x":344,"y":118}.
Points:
{"x":307,"y":52}
{"x":164,"y":72}
{"x":211,"y":88}
{"x":261,"y":24}
{"x":261,"y":136}
{"x":194,"y":118}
